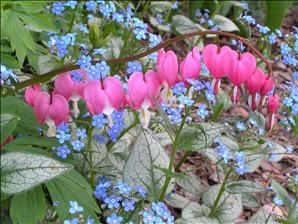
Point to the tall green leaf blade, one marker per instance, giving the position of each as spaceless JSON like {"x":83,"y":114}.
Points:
{"x":28,"y":207}
{"x":8,"y":124}
{"x":39,"y":21}
{"x":21,"y":171}
{"x":275,"y":13}
{"x":27,"y":123}
{"x":72,"y":187}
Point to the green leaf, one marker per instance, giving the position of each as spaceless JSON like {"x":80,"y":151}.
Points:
{"x":27,"y":123}
{"x":244,"y":186}
{"x":191,"y":184}
{"x":224,"y":23}
{"x":26,"y":141}
{"x":8,"y":124}
{"x":21,"y":171}
{"x":140,"y":168}
{"x":177,"y":201}
{"x":194,"y":210}
{"x":72,"y":186}
{"x":281,"y":193}
{"x":114,"y":46}
{"x":261,"y":217}
{"x":275,"y":13}
{"x":154,"y":22}
{"x":31,"y":7}
{"x":46,"y":64}
{"x":183,"y":25}
{"x":198,"y":220}
{"x":9,"y":61}
{"x":230,"y":205}
{"x":28,"y":207}
{"x":199,"y":136}
{"x":160,"y":6}
{"x":39,"y":21}
{"x":249,"y":201}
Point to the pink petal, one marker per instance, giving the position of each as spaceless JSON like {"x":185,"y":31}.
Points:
{"x":114,"y":91}
{"x":31,"y":92}
{"x":267,"y":86}
{"x":41,"y":105}
{"x":95,"y":97}
{"x":256,"y":81}
{"x":137,"y":90}
{"x":190,"y":67}
{"x":64,"y":85}
{"x":153,"y":85}
{"x":59,"y":111}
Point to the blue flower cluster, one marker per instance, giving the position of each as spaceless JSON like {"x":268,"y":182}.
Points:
{"x":121,"y":196}
{"x":134,"y":66}
{"x":74,"y":209}
{"x":158,"y":213}
{"x":114,"y":129}
{"x":6,"y":75}
{"x":290,"y":101}
{"x":228,"y":155}
{"x":204,"y":19}
{"x":61,"y":44}
{"x":174,"y":114}
{"x":76,"y":141}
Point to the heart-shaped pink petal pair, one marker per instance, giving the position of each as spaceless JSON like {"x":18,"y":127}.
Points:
{"x":256,"y":81}
{"x":190,"y":67}
{"x":31,"y":92}
{"x":54,"y":108}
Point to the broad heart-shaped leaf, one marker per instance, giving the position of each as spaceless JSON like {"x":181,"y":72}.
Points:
{"x":177,"y":201}
{"x":198,"y":220}
{"x":191,"y":184}
{"x":230,"y":205}
{"x":8,"y":124}
{"x":244,"y":186}
{"x":141,"y":166}
{"x":249,"y":201}
{"x":260,"y":218}
{"x":21,"y":171}
{"x":72,"y":186}
{"x":28,"y":207}
{"x":199,"y":136}
{"x":183,"y":25}
{"x":114,"y":46}
{"x":282,"y":194}
{"x":27,"y":123}
{"x":224,"y":23}
{"x":195,"y":210}
{"x":154,"y":22}
{"x":46,"y":64}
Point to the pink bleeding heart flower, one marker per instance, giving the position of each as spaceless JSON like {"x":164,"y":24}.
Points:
{"x":254,"y":85}
{"x":215,"y":59}
{"x":70,"y":89}
{"x":31,"y":92}
{"x":137,"y":90}
{"x":273,"y":102}
{"x":67,"y":87}
{"x":267,"y":86}
{"x":190,"y":67}
{"x":115,"y":93}
{"x":141,"y":91}
{"x":239,"y":71}
{"x":167,"y":67}
{"x":95,"y":97}
{"x":52,"y":110}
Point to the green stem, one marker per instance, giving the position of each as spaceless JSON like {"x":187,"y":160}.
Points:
{"x":182,"y":160}
{"x":89,"y":148}
{"x":270,"y":214}
{"x":48,"y":76}
{"x":220,"y":193}
{"x":172,"y":158}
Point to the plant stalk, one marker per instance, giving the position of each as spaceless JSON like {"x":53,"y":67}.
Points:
{"x":49,"y":75}
{"x":220,"y":193}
